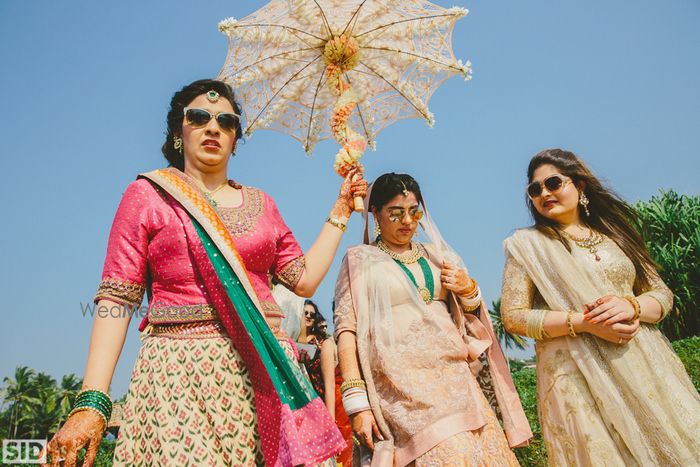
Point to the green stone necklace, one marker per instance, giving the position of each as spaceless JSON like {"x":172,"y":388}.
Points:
{"x":426,"y":293}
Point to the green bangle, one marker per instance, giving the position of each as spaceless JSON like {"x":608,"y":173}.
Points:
{"x":99,"y":405}
{"x":94,"y":391}
{"x":104,"y":408}
{"x":93,"y":395}
{"x":93,"y":398}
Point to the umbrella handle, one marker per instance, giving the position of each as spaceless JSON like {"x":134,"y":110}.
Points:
{"x":359,"y":202}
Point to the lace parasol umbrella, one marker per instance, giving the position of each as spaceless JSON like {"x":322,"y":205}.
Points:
{"x":346,"y":69}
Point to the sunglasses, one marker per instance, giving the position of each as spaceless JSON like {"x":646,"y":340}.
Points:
{"x":309,"y":314}
{"x":228,"y":121}
{"x":396,"y":214}
{"x":553,"y":184}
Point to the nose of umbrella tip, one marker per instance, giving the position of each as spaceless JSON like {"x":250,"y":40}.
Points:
{"x":342,"y":51}
{"x":227,"y":26}
{"x":458,"y":11}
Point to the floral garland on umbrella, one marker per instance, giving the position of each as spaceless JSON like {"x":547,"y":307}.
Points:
{"x":341,"y":54}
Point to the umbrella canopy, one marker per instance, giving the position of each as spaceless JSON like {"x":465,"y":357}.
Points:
{"x":347,"y":69}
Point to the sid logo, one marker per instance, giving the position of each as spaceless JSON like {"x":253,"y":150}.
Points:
{"x":22,"y":451}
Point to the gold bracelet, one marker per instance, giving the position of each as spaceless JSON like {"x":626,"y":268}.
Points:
{"x":471,"y":291}
{"x":336,"y":223}
{"x":91,"y":409}
{"x":572,"y":333}
{"x":635,"y":304}
{"x":352,"y":383}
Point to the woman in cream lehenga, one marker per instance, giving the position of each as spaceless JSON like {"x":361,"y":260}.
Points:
{"x":412,"y":333}
{"x":581,"y":282}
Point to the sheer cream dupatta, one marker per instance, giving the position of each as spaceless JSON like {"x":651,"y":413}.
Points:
{"x":375,"y":331}
{"x":631,"y":384}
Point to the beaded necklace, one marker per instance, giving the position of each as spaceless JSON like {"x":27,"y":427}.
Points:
{"x":416,"y":253}
{"x":590,"y":243}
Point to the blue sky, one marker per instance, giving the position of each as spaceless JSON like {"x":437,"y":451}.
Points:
{"x":85,"y":87}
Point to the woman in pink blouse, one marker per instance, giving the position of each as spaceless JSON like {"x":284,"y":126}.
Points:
{"x":213,"y":383}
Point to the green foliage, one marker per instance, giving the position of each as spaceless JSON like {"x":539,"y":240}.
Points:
{"x":34,"y":405}
{"x":516,"y":365}
{"x":670,"y":225}
{"x":688,"y":351}
{"x":535,"y":454}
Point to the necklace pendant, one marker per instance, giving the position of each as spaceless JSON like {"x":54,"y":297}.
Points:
{"x":425,"y":295}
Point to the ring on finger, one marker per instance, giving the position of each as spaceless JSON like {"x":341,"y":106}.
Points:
{"x":619,"y":341}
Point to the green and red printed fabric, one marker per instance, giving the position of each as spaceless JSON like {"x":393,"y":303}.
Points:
{"x":293,"y":424}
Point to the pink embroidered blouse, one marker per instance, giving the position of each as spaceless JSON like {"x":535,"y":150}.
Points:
{"x":147,"y":250}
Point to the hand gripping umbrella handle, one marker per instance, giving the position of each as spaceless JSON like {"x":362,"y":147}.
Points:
{"x":359,"y":202}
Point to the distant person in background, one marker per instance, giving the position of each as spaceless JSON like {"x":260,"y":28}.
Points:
{"x":610,"y":389}
{"x":321,"y":368}
{"x":312,"y":358}
{"x":306,"y":335}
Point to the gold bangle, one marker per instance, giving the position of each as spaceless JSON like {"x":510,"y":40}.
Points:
{"x":471,"y":291}
{"x":570,"y":325}
{"x":535,"y":324}
{"x":336,"y":223}
{"x":637,"y":309}
{"x":352,"y":383}
{"x":91,"y":409}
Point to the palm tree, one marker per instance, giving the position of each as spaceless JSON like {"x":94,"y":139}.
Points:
{"x":44,"y":412}
{"x":507,"y":339}
{"x":44,"y":415}
{"x":67,"y":392}
{"x":19,"y":392}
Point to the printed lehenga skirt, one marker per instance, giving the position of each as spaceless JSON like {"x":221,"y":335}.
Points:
{"x":190,"y":402}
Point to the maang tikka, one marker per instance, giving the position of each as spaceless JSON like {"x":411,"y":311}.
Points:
{"x":213,"y":96}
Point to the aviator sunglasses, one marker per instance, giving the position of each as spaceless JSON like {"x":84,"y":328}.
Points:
{"x":396,"y":214}
{"x":553,"y":184}
{"x":196,"y":117}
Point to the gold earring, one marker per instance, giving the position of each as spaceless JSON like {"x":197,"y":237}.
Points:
{"x":377,"y":229}
{"x":583,"y":201}
{"x":177,"y":144}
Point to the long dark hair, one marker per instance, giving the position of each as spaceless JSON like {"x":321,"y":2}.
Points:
{"x":315,"y":307}
{"x":609,"y":214}
{"x":182,"y":99}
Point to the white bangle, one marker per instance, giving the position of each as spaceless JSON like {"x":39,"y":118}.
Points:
{"x":471,"y":304}
{"x":355,"y":402}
